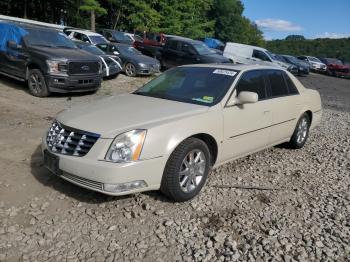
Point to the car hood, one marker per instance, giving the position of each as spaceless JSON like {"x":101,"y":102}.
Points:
{"x":116,"y":114}
{"x":141,"y":59}
{"x":63,"y":53}
{"x":215,"y":58}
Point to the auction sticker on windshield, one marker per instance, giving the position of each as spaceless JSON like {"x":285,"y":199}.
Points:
{"x":204,"y":99}
{"x":224,"y":72}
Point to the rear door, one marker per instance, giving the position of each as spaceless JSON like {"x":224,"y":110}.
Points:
{"x":170,"y":54}
{"x":246,"y":127}
{"x":285,"y":105}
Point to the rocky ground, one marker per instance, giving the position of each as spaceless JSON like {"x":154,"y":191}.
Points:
{"x":302,"y":215}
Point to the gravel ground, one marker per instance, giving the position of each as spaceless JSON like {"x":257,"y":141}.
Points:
{"x":302,"y":215}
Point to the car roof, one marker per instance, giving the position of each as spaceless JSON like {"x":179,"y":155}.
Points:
{"x":86,"y":32}
{"x":238,"y":67}
{"x":29,"y":26}
{"x":184,"y":39}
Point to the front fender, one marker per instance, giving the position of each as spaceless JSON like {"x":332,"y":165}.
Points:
{"x":163,"y":139}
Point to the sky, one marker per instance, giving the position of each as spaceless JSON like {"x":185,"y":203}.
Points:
{"x":310,"y":18}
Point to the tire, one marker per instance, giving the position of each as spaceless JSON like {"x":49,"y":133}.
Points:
{"x":36,"y":83}
{"x":301,"y":132}
{"x":186,"y":170}
{"x":130,"y":69}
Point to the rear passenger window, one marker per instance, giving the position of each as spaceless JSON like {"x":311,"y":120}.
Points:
{"x":252,"y":81}
{"x":172,"y":45}
{"x":291,"y":87}
{"x":277,"y":83}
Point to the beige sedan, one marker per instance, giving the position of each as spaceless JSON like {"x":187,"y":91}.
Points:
{"x":171,"y":132}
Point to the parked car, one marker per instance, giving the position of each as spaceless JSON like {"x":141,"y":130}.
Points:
{"x":303,"y":67}
{"x":315,"y":63}
{"x":149,"y":43}
{"x":111,"y":64}
{"x":116,"y":36}
{"x":47,"y":60}
{"x":182,"y":51}
{"x":85,"y":36}
{"x":133,"y":61}
{"x":248,"y":54}
{"x":335,"y":67}
{"x":133,"y":37}
{"x":178,"y":127}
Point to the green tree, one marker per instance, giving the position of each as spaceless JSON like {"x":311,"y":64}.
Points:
{"x":188,"y":18}
{"x":231,"y":25}
{"x":94,"y":7}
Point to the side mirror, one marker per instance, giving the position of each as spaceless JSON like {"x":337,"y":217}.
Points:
{"x":111,"y":39}
{"x":246,"y":97}
{"x":13,"y":45}
{"x":116,"y":53}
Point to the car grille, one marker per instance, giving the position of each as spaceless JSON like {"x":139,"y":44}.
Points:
{"x":79,"y":68}
{"x":83,"y":181}
{"x":69,"y":141}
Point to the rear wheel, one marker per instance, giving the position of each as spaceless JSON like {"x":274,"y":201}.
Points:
{"x":36,"y":83}
{"x":186,"y":170}
{"x":301,"y":132}
{"x":130,"y":69}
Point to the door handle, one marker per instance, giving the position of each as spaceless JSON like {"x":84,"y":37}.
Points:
{"x":266,"y":111}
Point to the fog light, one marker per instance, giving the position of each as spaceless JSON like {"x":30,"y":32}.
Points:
{"x":117,"y":188}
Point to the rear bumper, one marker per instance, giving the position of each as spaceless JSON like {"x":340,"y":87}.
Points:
{"x":64,"y":84}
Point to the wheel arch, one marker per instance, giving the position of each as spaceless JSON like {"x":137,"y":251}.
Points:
{"x":31,"y":66}
{"x":209,"y":140}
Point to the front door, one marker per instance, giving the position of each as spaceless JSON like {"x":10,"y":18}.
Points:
{"x":246,"y":127}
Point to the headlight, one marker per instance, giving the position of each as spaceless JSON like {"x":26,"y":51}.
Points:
{"x":126,"y":147}
{"x":142,"y":65}
{"x":57,"y":67}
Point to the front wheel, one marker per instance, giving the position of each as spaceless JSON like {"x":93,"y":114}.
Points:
{"x":130,"y":69}
{"x":36,"y":83}
{"x":301,"y":132}
{"x":186,"y":170}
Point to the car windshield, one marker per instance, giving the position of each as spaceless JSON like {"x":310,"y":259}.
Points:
{"x":120,"y":36}
{"x":292,"y":59}
{"x":98,"y":39}
{"x":47,"y":38}
{"x":334,"y":61}
{"x":128,"y":50}
{"x":202,"y":49}
{"x":195,"y":85}
{"x":92,"y":49}
{"x":314,"y":59}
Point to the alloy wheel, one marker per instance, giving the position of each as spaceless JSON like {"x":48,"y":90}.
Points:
{"x":192,"y":170}
{"x":130,"y":70}
{"x":35,"y":83}
{"x":302,"y":130}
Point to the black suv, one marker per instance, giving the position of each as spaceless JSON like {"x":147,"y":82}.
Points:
{"x":182,"y":51}
{"x":47,"y":60}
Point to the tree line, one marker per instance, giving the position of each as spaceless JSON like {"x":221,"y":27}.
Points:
{"x":222,"y":19}
{"x":321,"y":47}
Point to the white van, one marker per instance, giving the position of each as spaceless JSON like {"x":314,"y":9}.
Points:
{"x":248,"y":54}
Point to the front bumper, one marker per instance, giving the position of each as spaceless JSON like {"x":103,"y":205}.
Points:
{"x":69,"y":83}
{"x":92,"y":172}
{"x":149,"y":70}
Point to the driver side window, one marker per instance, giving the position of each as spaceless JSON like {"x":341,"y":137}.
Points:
{"x":261,"y":55}
{"x":252,"y":81}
